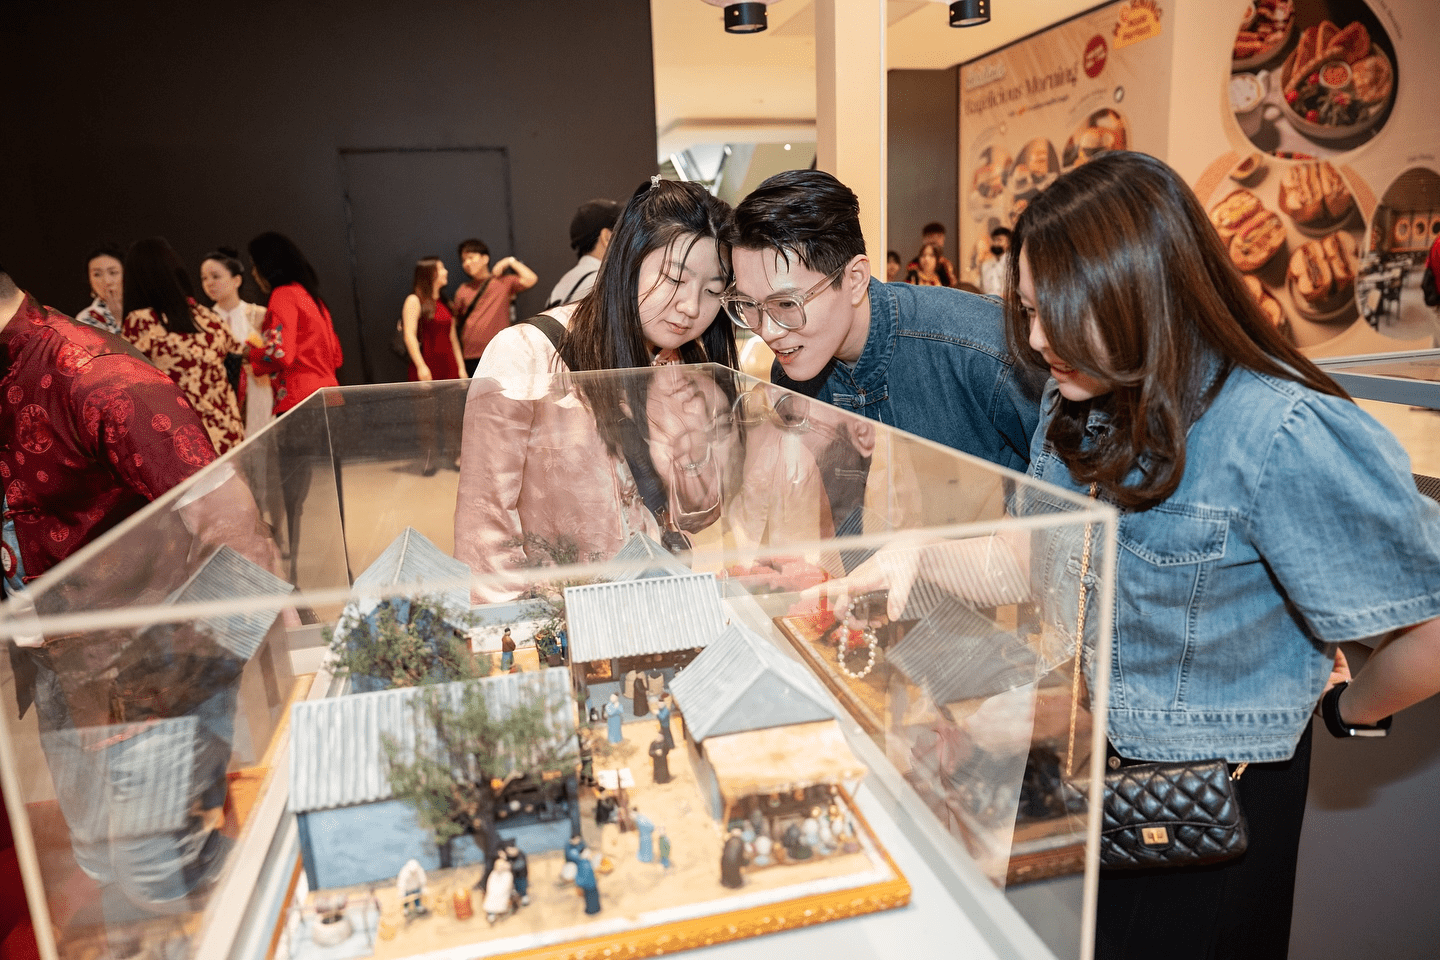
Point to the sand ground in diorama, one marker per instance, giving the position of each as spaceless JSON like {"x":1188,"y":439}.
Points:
{"x":631,"y":889}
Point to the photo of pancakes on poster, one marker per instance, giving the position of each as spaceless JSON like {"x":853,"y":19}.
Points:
{"x":1294,"y":230}
{"x":1311,"y":79}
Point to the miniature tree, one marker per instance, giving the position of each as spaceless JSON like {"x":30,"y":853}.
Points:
{"x":407,"y":642}
{"x":456,"y":778}
{"x":561,"y":551}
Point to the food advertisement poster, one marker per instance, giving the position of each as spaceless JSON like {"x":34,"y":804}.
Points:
{"x":1321,"y":173}
{"x":1045,"y":104}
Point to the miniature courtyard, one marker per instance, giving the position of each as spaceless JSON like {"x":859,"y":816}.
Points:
{"x":630,"y":888}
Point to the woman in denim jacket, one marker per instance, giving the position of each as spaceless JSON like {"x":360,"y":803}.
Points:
{"x":1264,"y":519}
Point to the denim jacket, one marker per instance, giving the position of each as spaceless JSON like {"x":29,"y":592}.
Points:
{"x":1296,"y":525}
{"x":935,"y":364}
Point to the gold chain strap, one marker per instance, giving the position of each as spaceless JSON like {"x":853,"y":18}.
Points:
{"x":1079,"y":640}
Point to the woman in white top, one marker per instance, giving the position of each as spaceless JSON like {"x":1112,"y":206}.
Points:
{"x":553,"y":470}
{"x":106,"y":271}
{"x":221,"y":274}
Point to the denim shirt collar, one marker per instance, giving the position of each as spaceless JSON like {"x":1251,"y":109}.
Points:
{"x":871,"y":371}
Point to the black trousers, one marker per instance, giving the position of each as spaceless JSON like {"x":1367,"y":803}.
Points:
{"x":1237,"y":909}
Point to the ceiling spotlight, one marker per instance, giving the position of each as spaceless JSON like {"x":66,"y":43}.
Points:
{"x":747,"y":17}
{"x":969,"y":13}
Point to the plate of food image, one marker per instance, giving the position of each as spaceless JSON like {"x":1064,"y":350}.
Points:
{"x":1336,"y":83}
{"x":1100,"y":132}
{"x":1316,"y":197}
{"x":1321,"y":278}
{"x":1264,"y":30}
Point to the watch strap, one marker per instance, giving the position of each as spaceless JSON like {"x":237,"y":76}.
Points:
{"x":1330,"y":713}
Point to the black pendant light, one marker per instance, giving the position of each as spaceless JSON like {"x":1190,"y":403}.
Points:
{"x":968,"y":13}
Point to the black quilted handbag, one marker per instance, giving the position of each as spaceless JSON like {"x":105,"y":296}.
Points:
{"x":1166,"y":814}
{"x":1170,"y":814}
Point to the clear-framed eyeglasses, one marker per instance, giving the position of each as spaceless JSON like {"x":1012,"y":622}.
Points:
{"x":786,"y":311}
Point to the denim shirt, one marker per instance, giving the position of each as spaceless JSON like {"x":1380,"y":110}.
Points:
{"x":1296,"y":525}
{"x":936,"y":364}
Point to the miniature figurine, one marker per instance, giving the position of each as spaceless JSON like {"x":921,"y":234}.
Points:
{"x":795,"y":846}
{"x":757,"y":822}
{"x":507,"y":651}
{"x":640,"y":696}
{"x":498,"y":889}
{"x":460,"y":900}
{"x":663,"y":715}
{"x":732,"y":858}
{"x":647,"y":830}
{"x":763,"y":846}
{"x":411,"y":886}
{"x":659,"y":760}
{"x":604,"y":807}
{"x":575,"y":849}
{"x":520,"y":870}
{"x":664,"y":849}
{"x":614,"y":713}
{"x":585,"y":880}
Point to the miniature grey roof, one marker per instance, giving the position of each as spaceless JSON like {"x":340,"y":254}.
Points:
{"x":955,"y":654}
{"x":643,"y":558}
{"x":412,"y":559}
{"x":149,"y":767}
{"x":742,"y":682}
{"x":226,"y":575}
{"x":336,"y":756}
{"x":637,"y":617}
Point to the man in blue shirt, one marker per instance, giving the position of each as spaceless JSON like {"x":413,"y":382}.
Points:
{"x":929,"y":360}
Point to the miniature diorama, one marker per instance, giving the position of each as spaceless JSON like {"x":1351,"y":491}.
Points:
{"x":973,"y":712}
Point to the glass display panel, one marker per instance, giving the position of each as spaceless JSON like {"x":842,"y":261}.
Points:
{"x":829,"y":611}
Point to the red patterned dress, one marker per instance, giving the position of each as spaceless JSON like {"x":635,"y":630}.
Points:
{"x":196,"y":362}
{"x":89,"y":433}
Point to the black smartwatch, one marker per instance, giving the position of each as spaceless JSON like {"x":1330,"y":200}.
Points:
{"x":1330,"y":712}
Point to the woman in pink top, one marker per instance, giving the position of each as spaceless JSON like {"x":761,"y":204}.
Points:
{"x":554,"y":469}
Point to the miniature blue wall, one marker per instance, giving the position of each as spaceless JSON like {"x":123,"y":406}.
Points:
{"x":371,"y":842}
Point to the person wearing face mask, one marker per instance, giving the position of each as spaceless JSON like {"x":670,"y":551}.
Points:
{"x":994,"y":270}
{"x":929,"y":360}
{"x":106,"y":271}
{"x":551,"y":464}
{"x":221,"y":276}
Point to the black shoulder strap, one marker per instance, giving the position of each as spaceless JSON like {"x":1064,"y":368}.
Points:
{"x":571,"y":295}
{"x":460,"y":320}
{"x":548,"y":325}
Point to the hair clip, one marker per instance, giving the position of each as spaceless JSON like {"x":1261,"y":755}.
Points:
{"x":654,"y":181}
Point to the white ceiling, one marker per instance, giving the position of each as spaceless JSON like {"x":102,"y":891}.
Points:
{"x":715,"y":87}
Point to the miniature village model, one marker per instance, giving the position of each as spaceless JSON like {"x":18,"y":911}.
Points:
{"x":510,"y":815}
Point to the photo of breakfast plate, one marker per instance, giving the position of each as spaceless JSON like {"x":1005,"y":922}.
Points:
{"x":1100,"y":132}
{"x":1264,"y":29}
{"x":993,"y":166}
{"x":1269,"y":305}
{"x":1339,"y":80}
{"x":1321,"y":278}
{"x":1316,"y":197}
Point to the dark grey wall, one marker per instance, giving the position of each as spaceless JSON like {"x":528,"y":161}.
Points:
{"x":924,"y":157}
{"x":209,"y":123}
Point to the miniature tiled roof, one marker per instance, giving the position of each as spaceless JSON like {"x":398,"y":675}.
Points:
{"x":336,"y":756}
{"x":226,"y":575}
{"x":637,"y":617}
{"x":412,"y":559}
{"x":148,"y":766}
{"x":742,"y":682}
{"x":955,"y":654}
{"x":642,"y":558}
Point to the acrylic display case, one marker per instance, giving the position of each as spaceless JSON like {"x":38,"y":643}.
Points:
{"x":865,"y":640}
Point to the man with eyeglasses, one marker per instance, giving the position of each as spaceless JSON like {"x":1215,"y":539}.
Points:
{"x":929,"y":360}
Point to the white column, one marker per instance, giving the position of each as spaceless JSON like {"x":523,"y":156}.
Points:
{"x":850,"y":120}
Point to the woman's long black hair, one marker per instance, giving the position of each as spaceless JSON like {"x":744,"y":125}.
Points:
{"x":156,"y":280}
{"x":605,"y":331}
{"x":279,"y":261}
